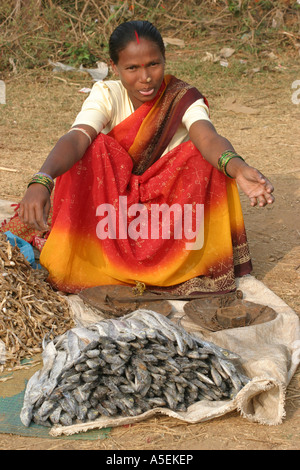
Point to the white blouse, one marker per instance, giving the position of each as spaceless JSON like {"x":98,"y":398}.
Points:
{"x":108,"y":104}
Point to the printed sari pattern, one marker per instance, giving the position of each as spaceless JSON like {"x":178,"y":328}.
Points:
{"x":103,"y":207}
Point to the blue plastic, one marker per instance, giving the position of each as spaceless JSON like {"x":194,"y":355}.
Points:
{"x":25,"y":248}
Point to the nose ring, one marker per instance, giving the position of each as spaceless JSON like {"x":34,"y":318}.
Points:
{"x":148,"y":80}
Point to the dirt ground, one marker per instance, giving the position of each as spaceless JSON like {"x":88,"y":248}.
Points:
{"x":41,"y":107}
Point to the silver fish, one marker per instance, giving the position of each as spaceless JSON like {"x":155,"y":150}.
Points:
{"x":81,"y":395}
{"x":151,"y":321}
{"x":93,"y":353}
{"x":128,"y":401}
{"x":100,"y":392}
{"x":102,"y":410}
{"x":156,"y":370}
{"x":95,"y":363}
{"x":216,"y":376}
{"x":111,"y":358}
{"x":82,"y":411}
{"x":82,"y":367}
{"x":46,"y":408}
{"x":55,"y":415}
{"x":89,"y":376}
{"x":137,"y":327}
{"x":69,"y":404}
{"x":157,"y":401}
{"x":126,"y":367}
{"x":180,"y":380}
{"x":126,"y":389}
{"x":236,"y":382}
{"x":217,"y":350}
{"x":170,"y":400}
{"x":92,"y":414}
{"x":204,"y":378}
{"x":65,"y":419}
{"x":216,"y":363}
{"x":73,"y":379}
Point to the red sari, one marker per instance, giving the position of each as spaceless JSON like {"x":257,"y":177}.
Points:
{"x":122,"y":175}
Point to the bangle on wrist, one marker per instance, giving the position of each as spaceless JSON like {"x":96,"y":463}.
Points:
{"x":224,"y":159}
{"x":44,"y":179}
{"x":83,"y":132}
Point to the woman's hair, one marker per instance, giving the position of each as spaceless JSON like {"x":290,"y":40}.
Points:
{"x":132,"y":31}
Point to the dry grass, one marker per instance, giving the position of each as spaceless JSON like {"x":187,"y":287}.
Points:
{"x":78,"y":31}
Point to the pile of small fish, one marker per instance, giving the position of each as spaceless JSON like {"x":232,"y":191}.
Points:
{"x":29,"y":308}
{"x":124,"y":367}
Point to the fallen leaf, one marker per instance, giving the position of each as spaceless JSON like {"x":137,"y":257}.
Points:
{"x":224,"y":63}
{"x":209,"y":57}
{"x":226,"y":52}
{"x":232,"y":105}
{"x":174,"y":42}
{"x":271,"y":55}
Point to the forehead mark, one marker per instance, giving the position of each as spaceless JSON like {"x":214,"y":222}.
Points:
{"x":137,"y":37}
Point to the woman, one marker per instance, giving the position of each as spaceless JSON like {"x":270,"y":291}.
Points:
{"x":142,"y":146}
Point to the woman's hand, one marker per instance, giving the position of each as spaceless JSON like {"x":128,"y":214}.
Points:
{"x":255,"y":185}
{"x":35,"y":206}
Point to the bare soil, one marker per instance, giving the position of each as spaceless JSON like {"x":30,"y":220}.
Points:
{"x":40,"y":108}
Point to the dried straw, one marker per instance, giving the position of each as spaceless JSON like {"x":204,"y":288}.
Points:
{"x":29,"y":308}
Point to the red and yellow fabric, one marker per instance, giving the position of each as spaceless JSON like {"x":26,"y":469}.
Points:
{"x":127,"y":164}
{"x":14,"y":225}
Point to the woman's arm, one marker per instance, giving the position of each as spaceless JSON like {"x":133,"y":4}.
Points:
{"x":70,"y":148}
{"x":211,"y":145}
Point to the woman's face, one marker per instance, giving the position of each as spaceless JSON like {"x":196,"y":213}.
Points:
{"x":141,"y":69}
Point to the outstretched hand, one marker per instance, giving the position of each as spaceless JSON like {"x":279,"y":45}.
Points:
{"x":256,"y":186}
{"x":35,"y":206}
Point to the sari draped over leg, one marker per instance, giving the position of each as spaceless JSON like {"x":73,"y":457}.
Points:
{"x":107,"y":227}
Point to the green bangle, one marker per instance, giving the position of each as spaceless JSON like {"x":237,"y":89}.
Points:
{"x":224,"y":159}
{"x":43,"y":179}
